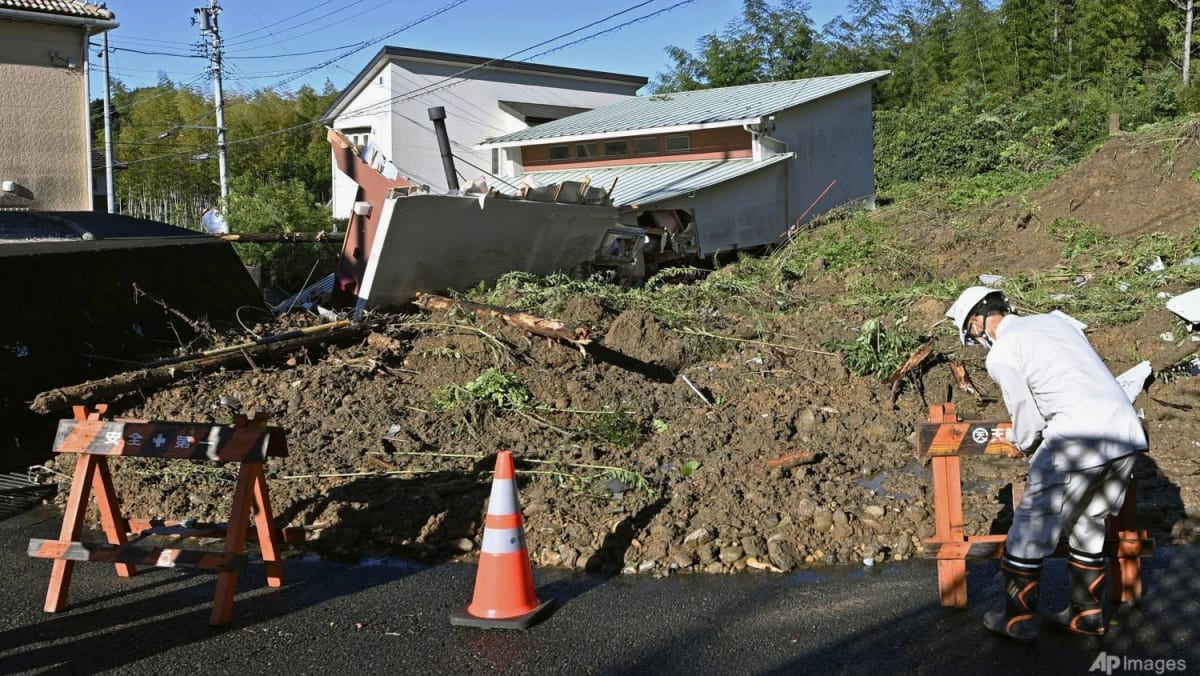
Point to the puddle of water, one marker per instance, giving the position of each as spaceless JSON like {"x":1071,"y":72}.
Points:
{"x":875,"y":485}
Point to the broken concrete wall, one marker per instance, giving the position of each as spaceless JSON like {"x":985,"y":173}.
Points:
{"x":438,"y":242}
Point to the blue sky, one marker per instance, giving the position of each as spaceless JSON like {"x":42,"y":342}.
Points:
{"x":255,"y":32}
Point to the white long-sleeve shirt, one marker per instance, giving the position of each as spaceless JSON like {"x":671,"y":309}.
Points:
{"x":1054,"y":383}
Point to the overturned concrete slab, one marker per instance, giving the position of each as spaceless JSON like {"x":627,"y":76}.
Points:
{"x":89,"y":293}
{"x":435,"y":243}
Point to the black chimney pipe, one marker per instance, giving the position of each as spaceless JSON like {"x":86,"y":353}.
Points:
{"x":438,"y":115}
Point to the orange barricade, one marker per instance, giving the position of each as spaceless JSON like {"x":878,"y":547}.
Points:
{"x":943,"y":440}
{"x":94,"y":439}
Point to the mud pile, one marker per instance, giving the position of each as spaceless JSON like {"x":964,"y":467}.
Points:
{"x":762,"y":452}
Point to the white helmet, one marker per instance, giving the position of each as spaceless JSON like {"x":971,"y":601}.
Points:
{"x":960,"y":311}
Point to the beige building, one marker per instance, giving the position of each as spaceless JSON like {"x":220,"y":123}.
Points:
{"x":45,"y":132}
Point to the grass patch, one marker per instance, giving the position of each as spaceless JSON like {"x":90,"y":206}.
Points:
{"x":493,"y":387}
{"x":875,"y":351}
{"x":987,"y":188}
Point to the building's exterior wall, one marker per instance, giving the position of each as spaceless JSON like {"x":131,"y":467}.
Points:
{"x":706,"y":144}
{"x":473,"y":113}
{"x":745,"y":212}
{"x":43,"y":115}
{"x":833,"y":140}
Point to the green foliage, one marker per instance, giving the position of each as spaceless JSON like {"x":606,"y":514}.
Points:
{"x":281,"y":206}
{"x":1079,"y":237}
{"x":987,"y":188}
{"x":689,"y":468}
{"x":618,"y":428}
{"x":493,"y":388}
{"x":875,"y":351}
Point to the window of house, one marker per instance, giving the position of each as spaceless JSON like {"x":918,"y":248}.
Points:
{"x":646,"y":146}
{"x":616,"y":148}
{"x":585,"y":150}
{"x":557,"y":153}
{"x":359,"y":136}
{"x":678,"y":143}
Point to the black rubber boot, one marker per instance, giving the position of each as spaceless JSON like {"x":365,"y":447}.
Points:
{"x":1018,"y":620}
{"x":1085,"y":613}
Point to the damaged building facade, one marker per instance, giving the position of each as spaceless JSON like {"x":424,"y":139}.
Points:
{"x":712,"y":170}
{"x":383,"y":110}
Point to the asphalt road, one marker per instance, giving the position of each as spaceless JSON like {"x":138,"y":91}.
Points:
{"x":391,"y":617}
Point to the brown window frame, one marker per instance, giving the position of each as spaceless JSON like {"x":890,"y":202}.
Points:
{"x":550,"y":153}
{"x":667,"y":143}
{"x":638,"y":141}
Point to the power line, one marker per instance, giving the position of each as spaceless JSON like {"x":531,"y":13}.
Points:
{"x":322,"y":27}
{"x":297,"y":15}
{"x":455,"y":79}
{"x":367,"y":43}
{"x":441,"y":84}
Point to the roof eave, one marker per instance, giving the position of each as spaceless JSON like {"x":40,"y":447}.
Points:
{"x":93,"y":24}
{"x":622,"y":133}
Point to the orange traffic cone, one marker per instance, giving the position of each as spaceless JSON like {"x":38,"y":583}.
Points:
{"x":504,"y":594}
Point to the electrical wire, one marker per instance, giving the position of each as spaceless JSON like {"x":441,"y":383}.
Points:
{"x":451,"y":80}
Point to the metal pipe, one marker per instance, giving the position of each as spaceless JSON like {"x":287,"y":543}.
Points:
{"x":438,"y":115}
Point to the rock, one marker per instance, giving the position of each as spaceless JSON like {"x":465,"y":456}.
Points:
{"x":783,"y":555}
{"x":699,"y":536}
{"x":805,"y":508}
{"x":683,"y":559}
{"x":754,"y":545}
{"x":645,"y":566}
{"x":822,"y":520}
{"x":874,"y":510}
{"x":731,"y":553}
{"x":715,"y":568}
{"x":569,"y":555}
{"x":840,"y":518}
{"x":549,"y":557}
{"x":771,"y":520}
{"x":707,"y":553}
{"x":465,"y":545}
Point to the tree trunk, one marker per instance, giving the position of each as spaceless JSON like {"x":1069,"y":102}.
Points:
{"x":1187,"y":43}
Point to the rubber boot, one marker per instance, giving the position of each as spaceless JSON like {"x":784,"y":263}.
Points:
{"x":1085,"y":613}
{"x":1018,"y":620}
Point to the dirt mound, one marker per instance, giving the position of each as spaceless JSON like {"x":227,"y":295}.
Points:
{"x":771,"y":454}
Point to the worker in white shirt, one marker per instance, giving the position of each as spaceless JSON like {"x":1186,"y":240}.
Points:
{"x":1081,"y":433}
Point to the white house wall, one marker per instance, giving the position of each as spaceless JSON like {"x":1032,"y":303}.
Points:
{"x":473,"y":113}
{"x":745,"y":212}
{"x":373,"y":100}
{"x":833,"y":140}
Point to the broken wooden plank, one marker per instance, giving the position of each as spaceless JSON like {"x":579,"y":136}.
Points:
{"x":962,"y":379}
{"x":792,"y":460}
{"x":576,"y":334}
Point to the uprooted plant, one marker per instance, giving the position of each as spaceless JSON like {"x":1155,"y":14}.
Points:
{"x":875,"y":351}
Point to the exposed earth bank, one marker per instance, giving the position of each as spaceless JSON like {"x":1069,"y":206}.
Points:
{"x":766,"y":451}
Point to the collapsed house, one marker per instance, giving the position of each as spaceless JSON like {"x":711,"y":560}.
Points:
{"x":638,"y":183}
{"x":713,"y":170}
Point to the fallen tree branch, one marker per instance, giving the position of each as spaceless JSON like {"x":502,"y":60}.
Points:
{"x":962,"y":379}
{"x":576,"y":334}
{"x":285,"y":237}
{"x":94,"y":391}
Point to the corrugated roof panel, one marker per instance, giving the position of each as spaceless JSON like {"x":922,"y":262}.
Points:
{"x":63,"y":7}
{"x":705,"y":106}
{"x":642,"y":184}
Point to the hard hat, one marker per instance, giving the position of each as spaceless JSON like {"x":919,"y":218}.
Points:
{"x":960,"y":311}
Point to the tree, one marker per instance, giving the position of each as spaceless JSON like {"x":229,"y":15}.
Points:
{"x":1189,"y":7}
{"x":767,"y":43}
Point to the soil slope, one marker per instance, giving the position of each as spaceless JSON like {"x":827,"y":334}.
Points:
{"x":622,"y":469}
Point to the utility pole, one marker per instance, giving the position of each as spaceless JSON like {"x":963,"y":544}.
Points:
{"x":108,"y":149}
{"x":207,"y":18}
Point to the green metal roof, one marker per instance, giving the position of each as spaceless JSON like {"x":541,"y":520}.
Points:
{"x":706,"y":107}
{"x":643,"y":184}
